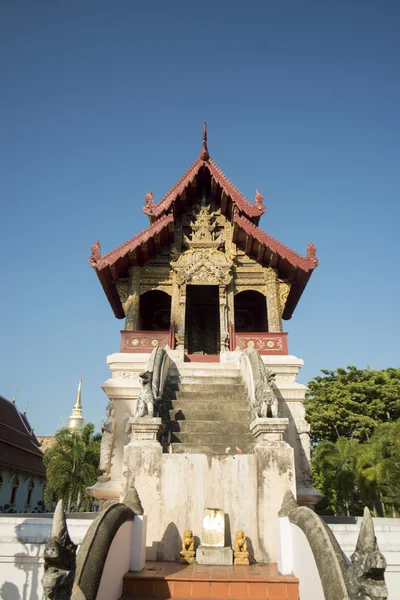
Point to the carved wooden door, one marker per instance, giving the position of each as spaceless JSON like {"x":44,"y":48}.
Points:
{"x":202,"y":319}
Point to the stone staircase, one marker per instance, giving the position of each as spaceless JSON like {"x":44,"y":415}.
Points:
{"x":209,"y":410}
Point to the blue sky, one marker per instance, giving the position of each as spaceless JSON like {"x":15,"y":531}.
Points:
{"x":102,"y":101}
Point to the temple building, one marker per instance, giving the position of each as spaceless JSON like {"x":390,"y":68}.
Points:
{"x":207,"y":288}
{"x":203,"y":277}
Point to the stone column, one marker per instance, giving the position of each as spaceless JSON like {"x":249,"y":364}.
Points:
{"x":273,"y":305}
{"x":275,"y":474}
{"x":178,"y":311}
{"x":132,"y":303}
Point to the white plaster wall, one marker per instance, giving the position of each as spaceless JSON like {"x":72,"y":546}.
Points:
{"x":304,"y":567}
{"x":295,"y":557}
{"x":22,"y":540}
{"x":175,"y":488}
{"x":117,"y":564}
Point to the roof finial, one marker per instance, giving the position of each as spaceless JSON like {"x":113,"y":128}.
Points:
{"x":204,"y":155}
{"x":78,"y":403}
{"x":26,"y":408}
{"x":76,"y":420}
{"x":15,"y":397}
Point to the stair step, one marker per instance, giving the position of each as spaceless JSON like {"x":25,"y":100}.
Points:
{"x":223,"y":391}
{"x":210,"y":414}
{"x":170,"y":581}
{"x":212,"y":449}
{"x":207,"y":403}
{"x":217,"y":379}
{"x":221,"y":427}
{"x":206,"y":438}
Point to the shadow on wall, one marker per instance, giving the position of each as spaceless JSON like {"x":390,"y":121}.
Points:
{"x":302,"y":464}
{"x":169,"y":547}
{"x":23,"y":562}
{"x":9,"y":591}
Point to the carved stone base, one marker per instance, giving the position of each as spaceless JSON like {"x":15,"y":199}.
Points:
{"x":269,"y":431}
{"x":187,"y":558}
{"x":105,"y":490}
{"x":241,"y":558}
{"x":146,"y":431}
{"x":308,"y":496}
{"x":209,"y":555}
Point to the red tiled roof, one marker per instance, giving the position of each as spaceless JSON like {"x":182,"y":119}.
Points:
{"x":18,"y":445}
{"x":99,"y":262}
{"x":305,"y":263}
{"x":238,"y":199}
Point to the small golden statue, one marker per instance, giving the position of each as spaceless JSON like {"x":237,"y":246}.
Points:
{"x":241,"y":555}
{"x":187,"y":553}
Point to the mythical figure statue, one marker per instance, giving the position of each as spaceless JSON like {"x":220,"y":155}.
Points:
{"x":145,"y":401}
{"x":265,"y":401}
{"x":241,"y":554}
{"x":59,"y":559}
{"x":368,"y":564}
{"x":108,"y":429}
{"x":187,"y":553}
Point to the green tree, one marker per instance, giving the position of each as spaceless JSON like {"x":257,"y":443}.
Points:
{"x":378,"y":467}
{"x":71,"y":466}
{"x":334,"y":468}
{"x":351,"y":402}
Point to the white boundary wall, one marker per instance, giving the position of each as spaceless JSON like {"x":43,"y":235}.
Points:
{"x":295,"y":555}
{"x":22,"y":541}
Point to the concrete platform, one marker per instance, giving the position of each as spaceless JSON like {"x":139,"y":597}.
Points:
{"x":166,"y":580}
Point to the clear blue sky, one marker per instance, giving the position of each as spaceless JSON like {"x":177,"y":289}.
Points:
{"x":101,"y":101}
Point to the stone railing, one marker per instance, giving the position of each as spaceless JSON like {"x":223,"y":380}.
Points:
{"x":146,"y":341}
{"x":264,"y":343}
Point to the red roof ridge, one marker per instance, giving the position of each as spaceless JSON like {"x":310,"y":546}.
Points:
{"x":241,"y":201}
{"x":204,"y":160}
{"x":99,"y":262}
{"x":306,"y":263}
{"x":155,"y":209}
{"x":251,"y":210}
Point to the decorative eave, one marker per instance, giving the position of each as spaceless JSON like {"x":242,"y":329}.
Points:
{"x":252,"y":211}
{"x":133,"y":252}
{"x":290,"y":265}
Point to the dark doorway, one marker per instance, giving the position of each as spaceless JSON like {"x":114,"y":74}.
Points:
{"x":250,"y":312}
{"x":154,"y":311}
{"x":202,"y":319}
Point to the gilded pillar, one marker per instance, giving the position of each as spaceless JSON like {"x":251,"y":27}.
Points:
{"x":178,"y":310}
{"x":273,"y":304}
{"x":223,"y":317}
{"x":133,"y":300}
{"x":231,"y":303}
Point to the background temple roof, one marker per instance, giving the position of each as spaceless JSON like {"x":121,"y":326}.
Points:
{"x":19,"y":447}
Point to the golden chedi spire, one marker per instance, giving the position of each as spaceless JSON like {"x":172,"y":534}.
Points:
{"x":76,"y":420}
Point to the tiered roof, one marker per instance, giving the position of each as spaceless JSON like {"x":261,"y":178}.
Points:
{"x":19,"y":447}
{"x":245,"y":216}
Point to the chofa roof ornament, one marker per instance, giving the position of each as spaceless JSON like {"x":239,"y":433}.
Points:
{"x":204,"y":154}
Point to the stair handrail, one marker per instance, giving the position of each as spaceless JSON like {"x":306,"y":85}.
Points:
{"x":93,"y":552}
